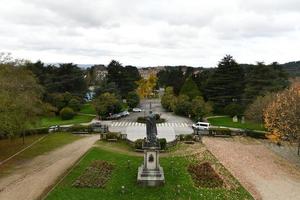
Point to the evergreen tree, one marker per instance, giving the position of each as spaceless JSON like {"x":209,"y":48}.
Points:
{"x":263,"y":78}
{"x":190,"y":89}
{"x":226,"y":85}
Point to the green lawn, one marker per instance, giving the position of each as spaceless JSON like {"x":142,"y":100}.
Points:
{"x":49,"y":143}
{"x":227,"y":121}
{"x":176,"y":175}
{"x":10,"y":147}
{"x":50,"y":121}
{"x":88,"y":109}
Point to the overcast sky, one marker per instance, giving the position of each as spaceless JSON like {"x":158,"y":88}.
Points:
{"x":151,"y":32}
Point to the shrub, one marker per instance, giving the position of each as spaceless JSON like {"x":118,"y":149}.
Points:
{"x":255,"y":134}
{"x":80,"y":128}
{"x":112,"y":135}
{"x":163,"y":143}
{"x":138,"y":144}
{"x":66,"y":113}
{"x":188,"y":137}
{"x":74,"y":104}
{"x":233,"y":109}
{"x":205,"y":176}
{"x":220,"y":131}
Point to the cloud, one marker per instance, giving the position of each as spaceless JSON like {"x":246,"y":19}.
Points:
{"x":151,"y":32}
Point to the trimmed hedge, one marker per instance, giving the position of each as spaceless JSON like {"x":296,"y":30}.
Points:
{"x":255,"y":134}
{"x":188,"y":137}
{"x":36,"y":131}
{"x":220,"y":131}
{"x":138,"y":144}
{"x":112,"y":135}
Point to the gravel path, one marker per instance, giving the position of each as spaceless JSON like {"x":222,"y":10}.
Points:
{"x":264,"y":174}
{"x":33,"y":178}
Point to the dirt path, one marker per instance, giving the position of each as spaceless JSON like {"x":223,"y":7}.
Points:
{"x":34,"y":177}
{"x":264,"y":174}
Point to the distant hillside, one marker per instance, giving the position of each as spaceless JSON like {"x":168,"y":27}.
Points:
{"x":292,"y":68}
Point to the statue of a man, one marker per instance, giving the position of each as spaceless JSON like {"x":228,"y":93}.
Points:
{"x":151,"y":128}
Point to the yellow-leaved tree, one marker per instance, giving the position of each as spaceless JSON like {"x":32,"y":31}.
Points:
{"x":146,"y":86}
{"x":282,"y":115}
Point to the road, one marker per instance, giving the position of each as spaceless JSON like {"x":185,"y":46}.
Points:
{"x":31,"y":179}
{"x":174,"y":125}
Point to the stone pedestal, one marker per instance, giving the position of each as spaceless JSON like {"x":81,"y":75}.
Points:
{"x":150,"y":173}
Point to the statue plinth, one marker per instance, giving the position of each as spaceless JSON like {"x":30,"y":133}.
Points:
{"x":150,"y":173}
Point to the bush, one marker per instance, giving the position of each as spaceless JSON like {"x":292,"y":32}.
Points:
{"x":74,"y":104}
{"x":66,"y":113}
{"x":188,"y":137}
{"x":138,"y":144}
{"x":80,"y":128}
{"x":163,"y":143}
{"x":133,"y":99}
{"x":255,"y":134}
{"x":112,"y":135}
{"x":220,"y":131}
{"x":233,"y":109}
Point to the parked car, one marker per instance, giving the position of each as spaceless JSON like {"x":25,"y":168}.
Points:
{"x":137,"y":110}
{"x":124,"y":113}
{"x":116,"y":116}
{"x":53,"y":128}
{"x":201,"y":126}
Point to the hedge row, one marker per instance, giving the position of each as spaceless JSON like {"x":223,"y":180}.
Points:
{"x":220,"y":131}
{"x":138,"y":144}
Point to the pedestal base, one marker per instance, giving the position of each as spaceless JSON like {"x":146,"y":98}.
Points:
{"x":153,"y":177}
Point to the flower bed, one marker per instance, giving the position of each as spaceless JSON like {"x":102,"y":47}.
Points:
{"x":95,"y":176}
{"x":205,"y":176}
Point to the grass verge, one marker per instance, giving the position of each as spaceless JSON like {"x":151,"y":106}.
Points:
{"x":49,"y":143}
{"x":50,"y":121}
{"x":179,"y":183}
{"x":227,"y":121}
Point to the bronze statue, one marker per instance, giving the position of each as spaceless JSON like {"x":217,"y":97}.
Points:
{"x":151,"y":129}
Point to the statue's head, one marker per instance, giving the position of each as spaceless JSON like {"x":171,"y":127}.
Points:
{"x":150,"y":111}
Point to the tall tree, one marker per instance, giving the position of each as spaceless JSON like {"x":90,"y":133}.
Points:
{"x":226,"y":85}
{"x":20,"y":101}
{"x":124,"y":77}
{"x":262,"y":78}
{"x":190,"y":89}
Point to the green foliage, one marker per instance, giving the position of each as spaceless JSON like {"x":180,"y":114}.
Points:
{"x":233,"y":109}
{"x":176,"y":175}
{"x":88,"y":109}
{"x":75,"y":104}
{"x":200,"y":108}
{"x":107,"y":104}
{"x":112,"y":135}
{"x":66,"y":113}
{"x":168,"y":99}
{"x":158,"y":119}
{"x":190,"y":89}
{"x":67,"y":77}
{"x":183,"y":105}
{"x":133,"y":99}
{"x":226,"y":84}
{"x":124,"y":77}
{"x":163,"y":143}
{"x":20,"y":99}
{"x":262,"y":78}
{"x":227,"y":121}
{"x":220,"y":131}
{"x":138,"y":144}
